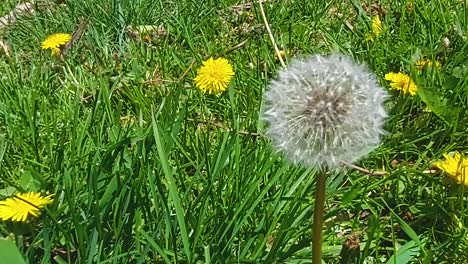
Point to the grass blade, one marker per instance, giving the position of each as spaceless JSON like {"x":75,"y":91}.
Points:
{"x":173,"y":192}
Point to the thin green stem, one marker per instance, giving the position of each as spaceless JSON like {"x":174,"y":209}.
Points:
{"x":318,"y":217}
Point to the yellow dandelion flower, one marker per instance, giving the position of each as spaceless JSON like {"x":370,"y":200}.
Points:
{"x":55,"y":42}
{"x":376,"y":28}
{"x":402,"y":82}
{"x":19,"y":207}
{"x":420,"y":64}
{"x":282,"y":53}
{"x":214,"y":76}
{"x":455,"y":167}
{"x":376,"y":25}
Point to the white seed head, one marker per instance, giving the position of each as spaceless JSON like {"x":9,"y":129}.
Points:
{"x":324,"y":110}
{"x":446,"y":42}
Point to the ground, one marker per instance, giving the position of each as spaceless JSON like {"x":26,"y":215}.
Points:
{"x":145,"y":168}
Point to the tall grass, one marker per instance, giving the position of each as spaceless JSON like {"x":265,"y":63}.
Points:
{"x":147,"y":169}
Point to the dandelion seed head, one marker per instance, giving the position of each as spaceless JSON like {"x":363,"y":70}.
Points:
{"x":446,"y":42}
{"x":324,"y":110}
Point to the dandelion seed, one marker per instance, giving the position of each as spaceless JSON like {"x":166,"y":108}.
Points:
{"x":376,"y":29}
{"x":56,"y":42}
{"x":455,"y":167}
{"x":19,"y":207}
{"x":325,"y":110}
{"x":214,"y":76}
{"x":402,"y":82}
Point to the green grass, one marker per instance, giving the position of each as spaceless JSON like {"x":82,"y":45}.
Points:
{"x":141,"y":174}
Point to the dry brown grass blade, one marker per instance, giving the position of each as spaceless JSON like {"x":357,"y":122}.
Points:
{"x":267,"y":26}
{"x":75,"y":37}
{"x":12,"y":16}
{"x":5,"y":48}
{"x":245,"y":6}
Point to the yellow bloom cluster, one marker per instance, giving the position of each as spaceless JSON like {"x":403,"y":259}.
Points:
{"x":376,"y":27}
{"x":214,"y":76}
{"x":20,"y":206}
{"x":402,"y":82}
{"x":55,"y":42}
{"x":455,"y":167}
{"x":420,"y":64}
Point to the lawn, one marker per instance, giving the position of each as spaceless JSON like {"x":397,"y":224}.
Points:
{"x":144,"y":167}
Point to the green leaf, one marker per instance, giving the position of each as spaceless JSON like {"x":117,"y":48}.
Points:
{"x":351,"y":194}
{"x":408,"y":230}
{"x":8,"y":191}
{"x":28,"y":182}
{"x":431,"y":94}
{"x":405,"y":253}
{"x":9,"y":253}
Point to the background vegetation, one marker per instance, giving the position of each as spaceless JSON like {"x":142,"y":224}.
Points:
{"x":147,"y":169}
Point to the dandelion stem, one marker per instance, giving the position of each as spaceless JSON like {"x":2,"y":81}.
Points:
{"x":318,"y":217}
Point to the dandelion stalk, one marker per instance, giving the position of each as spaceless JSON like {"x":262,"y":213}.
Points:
{"x":317,"y":223}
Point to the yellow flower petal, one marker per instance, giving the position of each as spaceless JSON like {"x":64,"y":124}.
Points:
{"x":420,"y":64}
{"x":214,"y":76}
{"x":402,"y":82}
{"x":376,"y":28}
{"x":455,"y":167}
{"x":55,"y":41}
{"x":19,"y":207}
